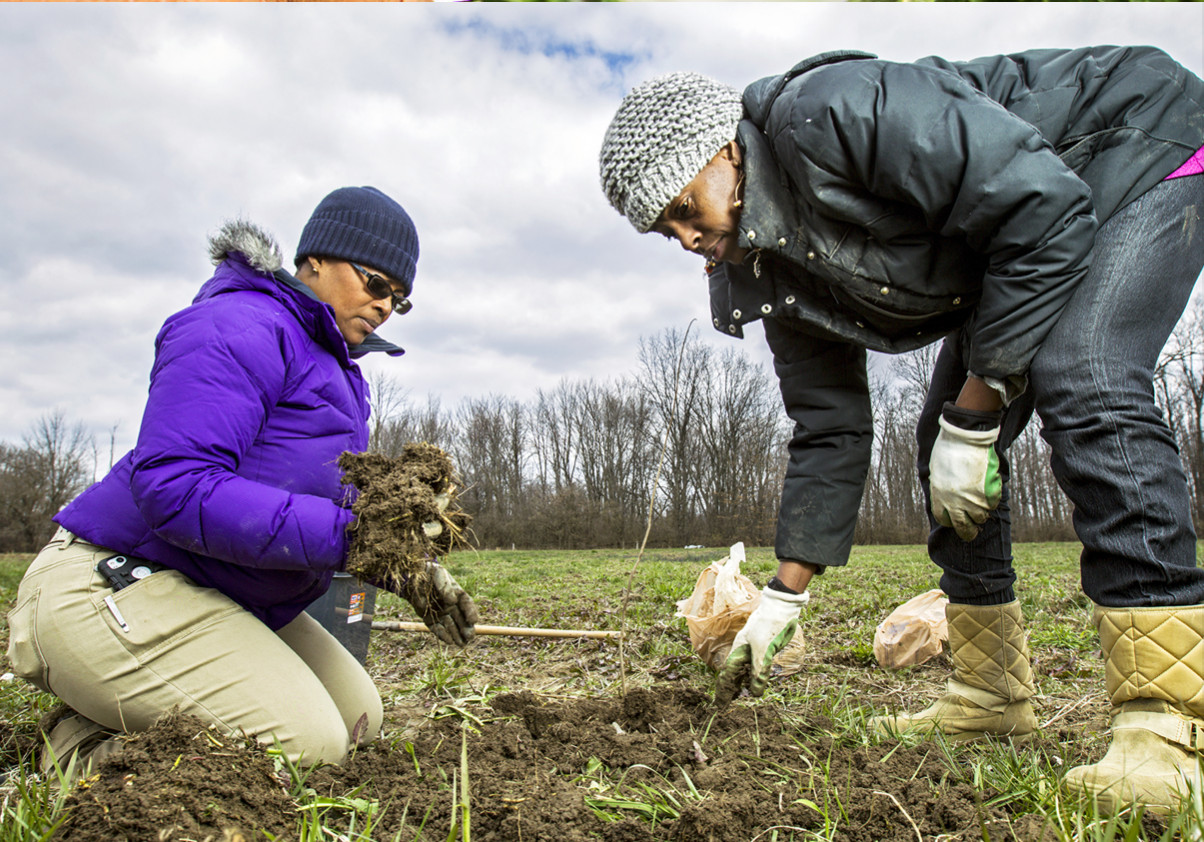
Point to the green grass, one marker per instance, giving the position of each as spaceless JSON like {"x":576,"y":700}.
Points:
{"x":584,"y":589}
{"x":12,"y":568}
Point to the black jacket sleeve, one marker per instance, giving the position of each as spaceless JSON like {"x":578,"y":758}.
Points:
{"x":826,"y":392}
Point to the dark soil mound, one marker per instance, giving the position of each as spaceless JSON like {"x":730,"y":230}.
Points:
{"x":722,"y":776}
{"x":180,"y":780}
{"x":658,"y":764}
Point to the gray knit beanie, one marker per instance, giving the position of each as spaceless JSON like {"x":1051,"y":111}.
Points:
{"x":665,"y":131}
{"x":363,"y":225}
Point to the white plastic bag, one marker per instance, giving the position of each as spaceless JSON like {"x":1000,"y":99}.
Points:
{"x":914,"y":632}
{"x":722,"y":600}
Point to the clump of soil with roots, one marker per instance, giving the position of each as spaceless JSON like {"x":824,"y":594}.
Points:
{"x":406,"y":512}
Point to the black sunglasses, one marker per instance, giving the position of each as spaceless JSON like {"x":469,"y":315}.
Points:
{"x":379,"y":287}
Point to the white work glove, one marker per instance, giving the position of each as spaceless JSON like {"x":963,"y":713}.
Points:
{"x":963,"y":479}
{"x":769,"y":628}
{"x":443,"y":605}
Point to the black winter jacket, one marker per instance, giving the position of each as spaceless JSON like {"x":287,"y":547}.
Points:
{"x":889,"y":204}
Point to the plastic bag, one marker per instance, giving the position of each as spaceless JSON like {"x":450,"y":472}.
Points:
{"x":722,"y":600}
{"x":914,"y":632}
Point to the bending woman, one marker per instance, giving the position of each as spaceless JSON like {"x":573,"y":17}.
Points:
{"x":1040,"y":213}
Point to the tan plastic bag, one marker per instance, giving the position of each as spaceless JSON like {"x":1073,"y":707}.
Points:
{"x":914,"y":632}
{"x":722,"y":600}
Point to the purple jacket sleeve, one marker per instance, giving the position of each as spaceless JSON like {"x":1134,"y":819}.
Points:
{"x":214,"y":382}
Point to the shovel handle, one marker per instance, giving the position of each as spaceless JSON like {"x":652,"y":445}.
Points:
{"x":509,"y":631}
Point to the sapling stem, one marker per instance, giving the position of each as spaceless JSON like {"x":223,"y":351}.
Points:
{"x":651,"y":507}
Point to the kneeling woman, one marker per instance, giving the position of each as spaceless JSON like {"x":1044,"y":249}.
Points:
{"x":231,"y":500}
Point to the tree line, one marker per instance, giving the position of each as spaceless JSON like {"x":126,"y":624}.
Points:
{"x":700,"y":432}
{"x":694,"y":438}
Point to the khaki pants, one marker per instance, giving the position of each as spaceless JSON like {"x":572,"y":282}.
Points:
{"x":187,"y":647}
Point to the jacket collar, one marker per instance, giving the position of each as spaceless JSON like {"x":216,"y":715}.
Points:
{"x":759,"y":96}
{"x":768,"y":211}
{"x":371,"y":342}
{"x":768,"y":214}
{"x":245,"y":246}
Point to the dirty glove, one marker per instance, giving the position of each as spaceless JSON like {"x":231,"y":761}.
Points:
{"x":443,"y":605}
{"x":964,"y":481}
{"x":768,"y":629}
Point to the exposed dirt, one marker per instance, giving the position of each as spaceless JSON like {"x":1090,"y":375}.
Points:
{"x":529,"y":771}
{"x":566,"y":756}
{"x":734,"y":774}
{"x":14,"y":745}
{"x":180,"y":781}
{"x":405,"y":509}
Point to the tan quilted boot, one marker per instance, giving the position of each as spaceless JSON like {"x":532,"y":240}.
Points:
{"x":992,"y":680}
{"x":1154,"y":659}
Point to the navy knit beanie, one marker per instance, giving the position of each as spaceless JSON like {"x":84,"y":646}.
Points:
{"x":363,"y":225}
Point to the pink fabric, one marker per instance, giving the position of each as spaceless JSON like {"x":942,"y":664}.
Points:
{"x":1192,"y":166}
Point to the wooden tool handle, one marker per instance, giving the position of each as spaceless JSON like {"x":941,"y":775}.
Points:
{"x":510,"y":631}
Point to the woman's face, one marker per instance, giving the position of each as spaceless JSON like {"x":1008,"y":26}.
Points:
{"x":704,"y":217}
{"x":356,"y":312}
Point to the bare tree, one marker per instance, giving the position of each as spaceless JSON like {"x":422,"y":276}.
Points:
{"x":490,"y":452}
{"x":113,"y":445}
{"x":912,"y":373}
{"x":614,"y":436}
{"x":554,"y":437}
{"x":387,"y":397}
{"x":742,"y":433}
{"x":1179,"y":390}
{"x":674,"y":396}
{"x":40,"y":477}
{"x":408,"y":422}
{"x":1040,"y":511}
{"x":892,"y":509}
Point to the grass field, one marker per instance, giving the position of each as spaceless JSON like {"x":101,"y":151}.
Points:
{"x":841,"y":685}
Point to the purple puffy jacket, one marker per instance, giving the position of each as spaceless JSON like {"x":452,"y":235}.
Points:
{"x":233,"y":481}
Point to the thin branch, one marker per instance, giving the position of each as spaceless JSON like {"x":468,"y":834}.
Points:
{"x":651,"y":507}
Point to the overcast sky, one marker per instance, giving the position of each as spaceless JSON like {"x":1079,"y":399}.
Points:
{"x":131,"y":132}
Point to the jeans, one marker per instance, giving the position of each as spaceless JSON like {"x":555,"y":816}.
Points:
{"x":1091,"y":383}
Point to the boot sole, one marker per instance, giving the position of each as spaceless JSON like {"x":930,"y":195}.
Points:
{"x":955,"y":737}
{"x":969,"y":736}
{"x":1109,"y":802}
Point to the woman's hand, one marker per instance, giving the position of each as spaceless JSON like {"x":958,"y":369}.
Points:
{"x":964,"y":481}
{"x":768,"y":629}
{"x":442,"y":604}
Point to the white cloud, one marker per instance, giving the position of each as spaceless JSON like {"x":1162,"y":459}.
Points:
{"x":132,"y":131}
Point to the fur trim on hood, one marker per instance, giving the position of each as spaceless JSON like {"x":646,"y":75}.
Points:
{"x":257,"y":246}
